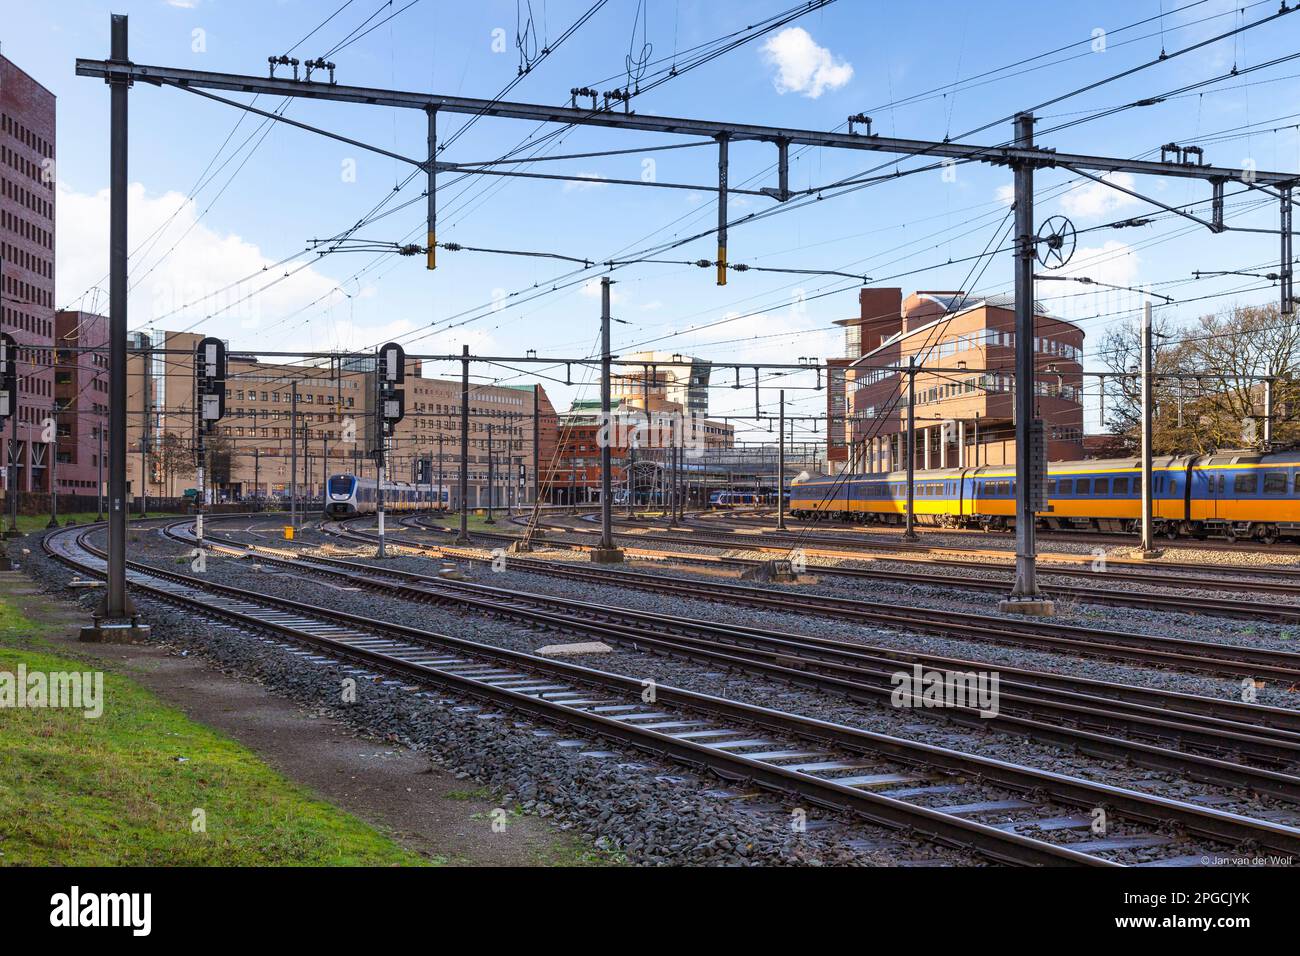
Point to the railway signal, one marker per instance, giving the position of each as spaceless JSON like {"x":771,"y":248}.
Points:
{"x":390,"y":408}
{"x":422,"y":471}
{"x":209,"y":407}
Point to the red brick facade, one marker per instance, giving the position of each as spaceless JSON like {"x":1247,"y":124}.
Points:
{"x":27,"y":261}
{"x":964,"y":414}
{"x":81,"y":392}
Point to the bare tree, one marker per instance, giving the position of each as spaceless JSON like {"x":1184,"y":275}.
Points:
{"x":1220,"y":401}
{"x":220,"y":455}
{"x":174,"y":457}
{"x":1239,"y":345}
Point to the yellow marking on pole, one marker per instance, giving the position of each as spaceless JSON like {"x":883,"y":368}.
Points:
{"x":722,"y":265}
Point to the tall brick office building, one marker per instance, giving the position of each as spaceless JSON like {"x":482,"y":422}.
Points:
{"x":27,"y":263}
{"x":964,"y":414}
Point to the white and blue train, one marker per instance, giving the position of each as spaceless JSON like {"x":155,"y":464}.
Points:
{"x":347,"y":495}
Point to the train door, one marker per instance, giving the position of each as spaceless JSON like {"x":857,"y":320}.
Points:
{"x":1218,"y":487}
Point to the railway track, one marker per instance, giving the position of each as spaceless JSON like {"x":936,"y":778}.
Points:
{"x":1245,"y":609}
{"x":1287,"y":575}
{"x":1072,"y":537}
{"x":815,"y":760}
{"x":1232,"y":660}
{"x":1061,"y":712}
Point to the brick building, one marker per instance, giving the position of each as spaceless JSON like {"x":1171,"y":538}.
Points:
{"x":501,"y":428}
{"x":878,"y":308}
{"x":962,"y":418}
{"x":680,"y":382}
{"x":27,"y":263}
{"x":575,"y":475}
{"x":81,"y":397}
{"x":326,"y":410}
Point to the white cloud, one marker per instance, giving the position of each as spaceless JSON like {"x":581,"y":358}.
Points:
{"x":344,"y":333}
{"x":591,"y":289}
{"x":1095,"y":199}
{"x":1006,"y":194}
{"x":183,"y":4}
{"x":1112,"y":263}
{"x":802,"y":66}
{"x":206,"y":268}
{"x":590,"y":181}
{"x":779,"y":337}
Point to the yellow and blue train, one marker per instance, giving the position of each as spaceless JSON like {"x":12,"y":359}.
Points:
{"x":1236,"y":494}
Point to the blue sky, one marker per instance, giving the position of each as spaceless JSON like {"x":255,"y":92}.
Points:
{"x":266,"y":196}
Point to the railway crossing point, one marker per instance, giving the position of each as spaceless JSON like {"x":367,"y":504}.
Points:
{"x":1032,"y":607}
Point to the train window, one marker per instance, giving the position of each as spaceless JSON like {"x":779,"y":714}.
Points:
{"x":1101,"y":486}
{"x":1067,"y":486}
{"x":1051,"y":486}
{"x":1275,"y":483}
{"x":1297,"y":482}
{"x":1245,"y":484}
{"x":1173,"y":486}
{"x":1120,"y":485}
{"x":1083,"y":486}
{"x":1221,"y":480}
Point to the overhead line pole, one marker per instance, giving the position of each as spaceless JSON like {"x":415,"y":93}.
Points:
{"x":1025,"y":598}
{"x":780,"y":468}
{"x":606,"y":553}
{"x":1148,"y":536}
{"x":910,"y":531}
{"x":537,"y":446}
{"x":463,"y":537}
{"x":116,"y":604}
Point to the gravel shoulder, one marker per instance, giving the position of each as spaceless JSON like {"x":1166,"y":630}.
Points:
{"x":623,"y":806}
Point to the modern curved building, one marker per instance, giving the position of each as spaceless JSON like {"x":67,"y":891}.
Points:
{"x":965,"y":392}
{"x":670,"y":381}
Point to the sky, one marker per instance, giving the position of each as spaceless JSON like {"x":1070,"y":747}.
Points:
{"x":225,"y":205}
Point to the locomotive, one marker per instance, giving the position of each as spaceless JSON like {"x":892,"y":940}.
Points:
{"x":347,"y":495}
{"x":1236,"y":494}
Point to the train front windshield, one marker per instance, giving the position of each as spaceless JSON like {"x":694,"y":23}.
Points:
{"x":340,"y":485}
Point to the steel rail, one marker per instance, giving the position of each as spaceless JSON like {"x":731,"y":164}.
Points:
{"x":824,"y":664}
{"x":997,"y":844}
{"x":1151,"y":650}
{"x":993,"y":841}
